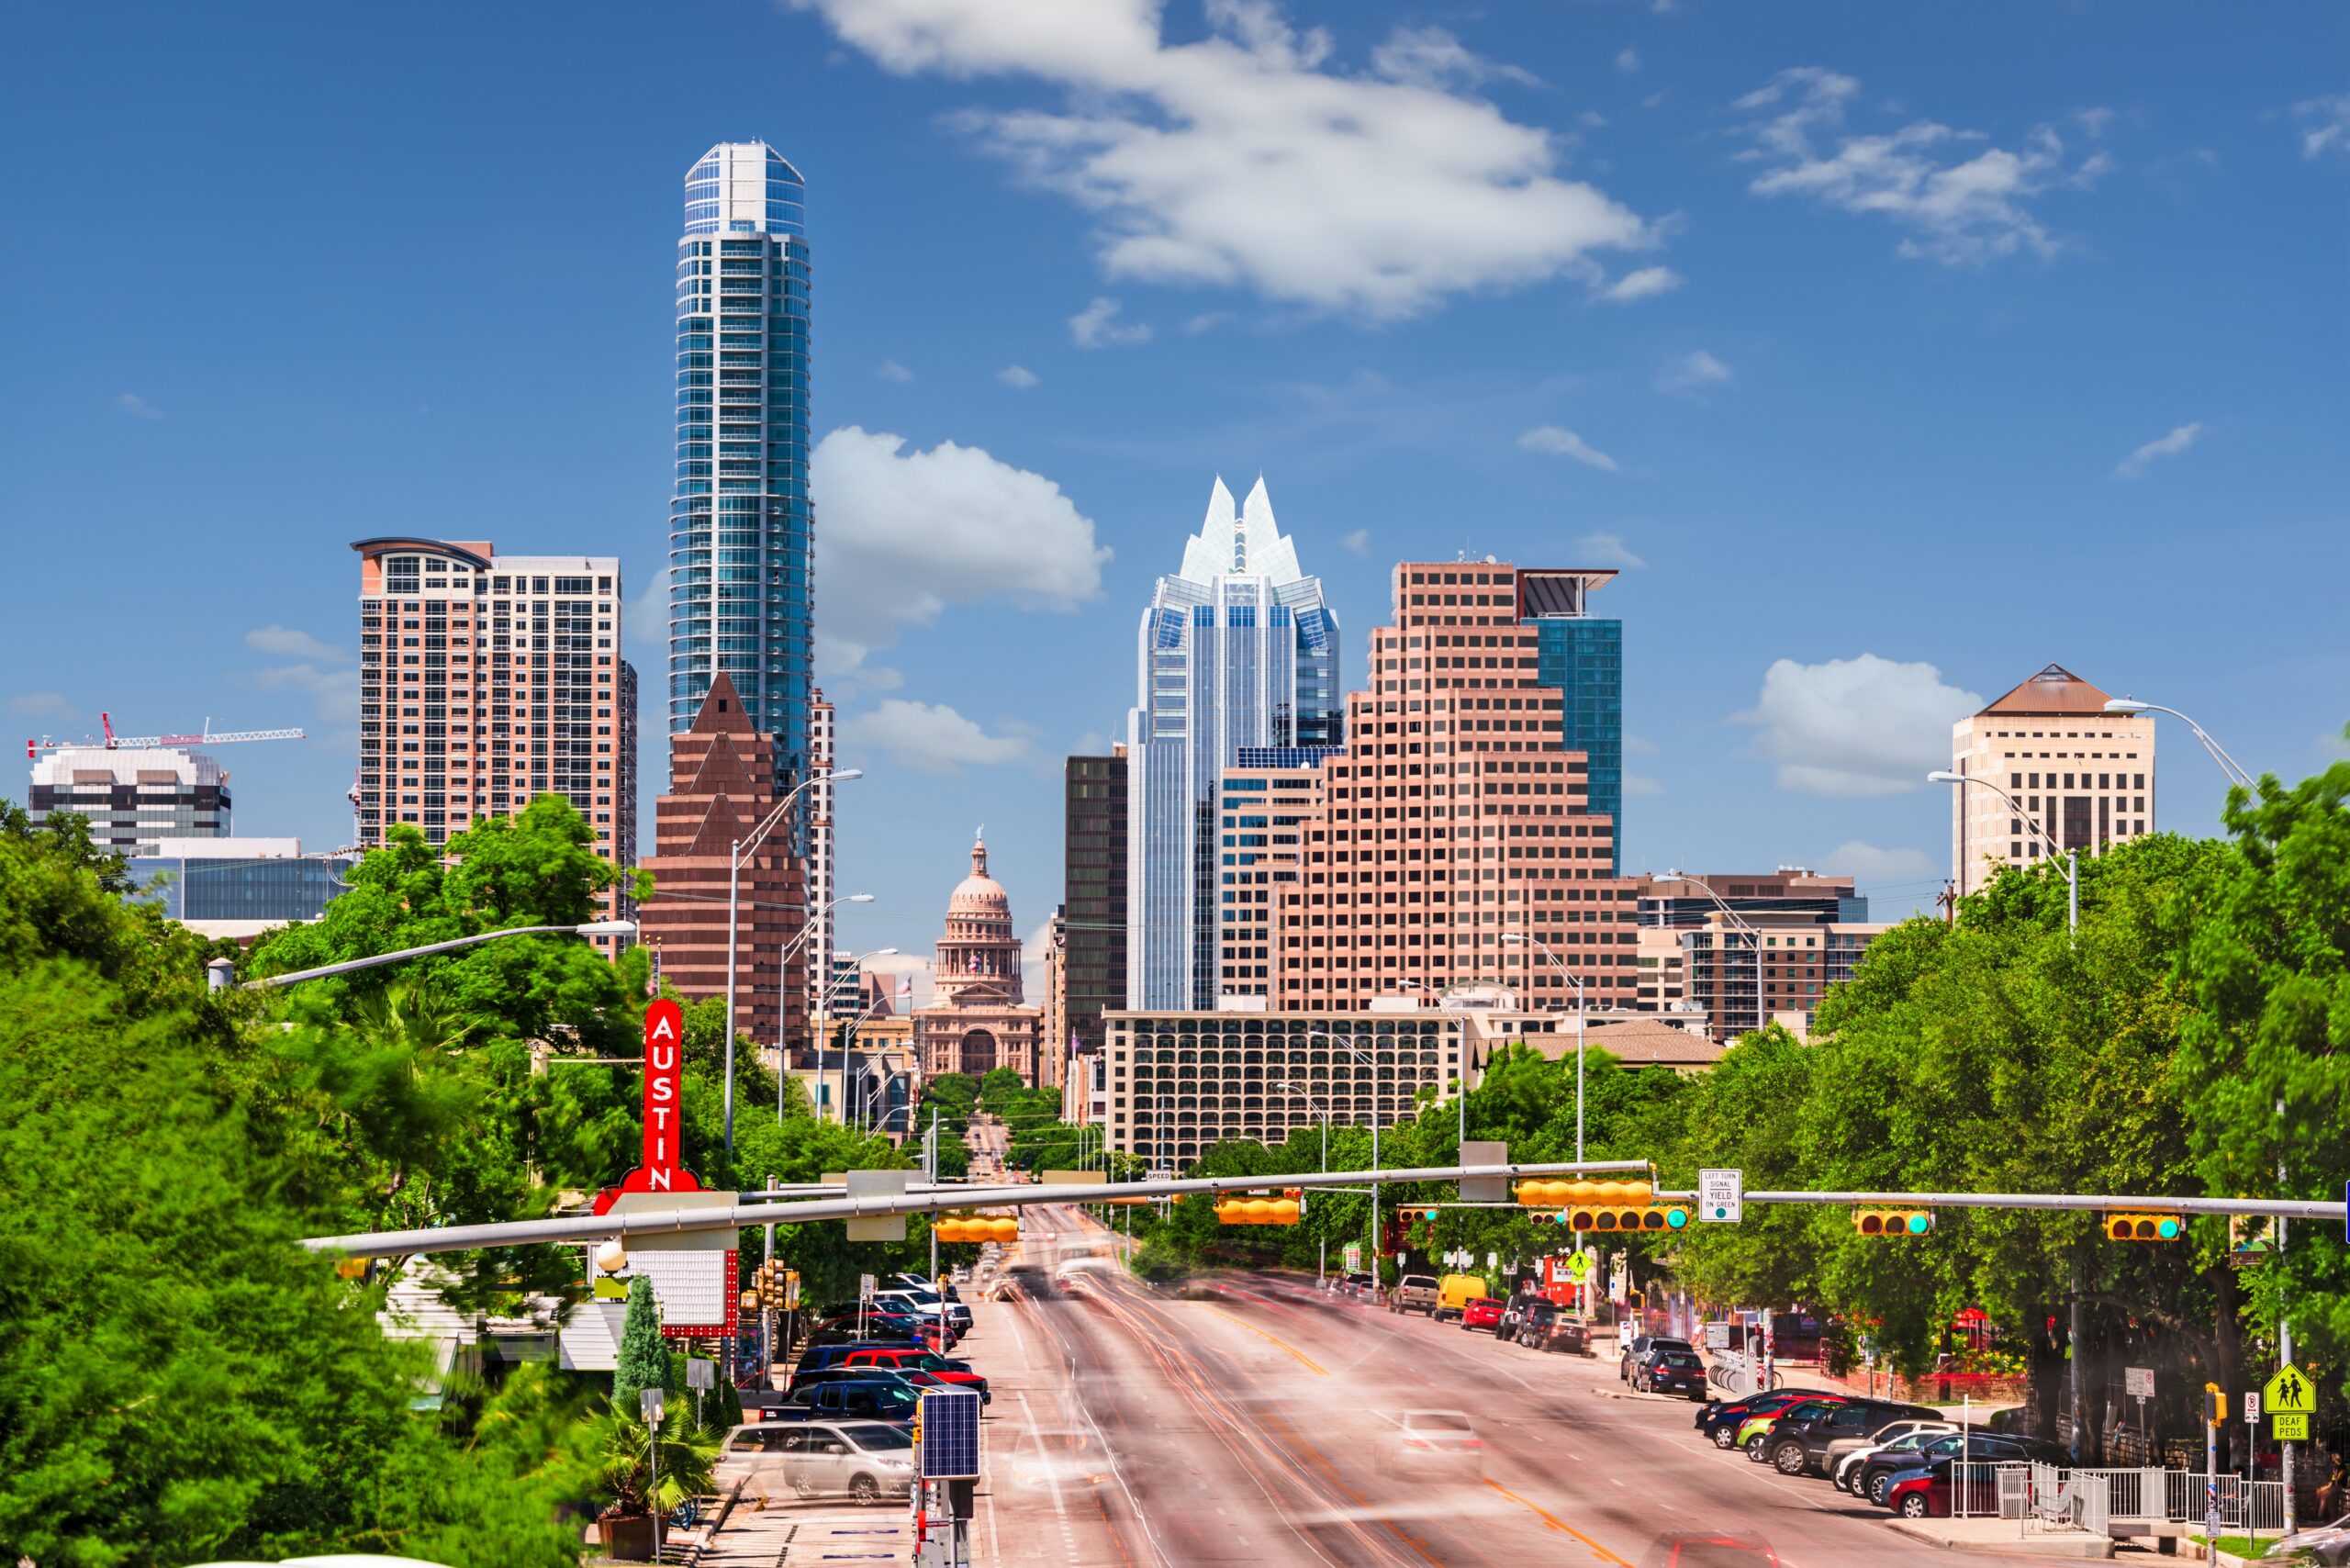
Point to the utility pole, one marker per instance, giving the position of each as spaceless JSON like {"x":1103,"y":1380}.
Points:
{"x":767,"y":1312}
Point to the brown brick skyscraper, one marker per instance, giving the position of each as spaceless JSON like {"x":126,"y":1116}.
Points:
{"x":1455,"y":816}
{"x":721,"y":783}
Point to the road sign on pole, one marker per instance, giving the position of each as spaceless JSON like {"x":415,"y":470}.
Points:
{"x":1579,"y":1266}
{"x":2252,"y":1409}
{"x":2289,"y":1426}
{"x":2138,"y":1383}
{"x":1721,"y":1196}
{"x":2289,"y":1393}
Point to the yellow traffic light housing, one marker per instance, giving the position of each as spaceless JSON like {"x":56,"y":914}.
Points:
{"x":2215,"y":1405}
{"x":1603,"y":1206}
{"x":974,"y":1227}
{"x":1892,"y":1222}
{"x":1282,"y":1210}
{"x":2145,"y":1227}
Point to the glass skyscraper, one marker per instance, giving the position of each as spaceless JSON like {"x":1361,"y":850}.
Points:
{"x":740,"y":524}
{"x":1582,"y":656}
{"x":1237,"y":649}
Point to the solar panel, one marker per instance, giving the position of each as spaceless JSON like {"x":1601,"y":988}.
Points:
{"x":950,"y":1433}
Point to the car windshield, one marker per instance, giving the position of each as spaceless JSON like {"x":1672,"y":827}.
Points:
{"x":1680,"y":1358}
{"x":1484,"y":1301}
{"x":873,"y":1437}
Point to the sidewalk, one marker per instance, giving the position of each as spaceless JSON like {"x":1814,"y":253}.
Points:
{"x":2000,"y":1537}
{"x":789,"y":1534}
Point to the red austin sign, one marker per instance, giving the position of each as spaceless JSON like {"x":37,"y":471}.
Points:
{"x":665,"y":1030}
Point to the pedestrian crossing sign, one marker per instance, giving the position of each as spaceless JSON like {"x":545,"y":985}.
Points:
{"x":2289,"y":1393}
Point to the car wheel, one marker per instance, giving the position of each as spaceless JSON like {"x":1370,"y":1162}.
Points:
{"x":1724,"y":1438}
{"x":1788,"y":1459}
{"x":1755,"y":1451}
{"x":1877,"y":1489}
{"x":865,"y":1489}
{"x":1913,"y":1506}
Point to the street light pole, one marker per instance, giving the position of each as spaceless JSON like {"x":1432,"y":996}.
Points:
{"x":734,"y":901}
{"x":1376,"y":1097}
{"x":1753,"y":939}
{"x":2072,"y":860}
{"x":220,"y":972}
{"x":2228,"y":764}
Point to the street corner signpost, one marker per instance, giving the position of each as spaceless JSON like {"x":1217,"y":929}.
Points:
{"x":1721,"y":1196}
{"x":2290,"y":1398}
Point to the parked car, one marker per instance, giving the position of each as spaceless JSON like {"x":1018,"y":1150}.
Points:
{"x":1513,"y":1313}
{"x":1455,"y":1292}
{"x":1877,"y":1475}
{"x":1797,"y":1443}
{"x":1846,"y":1455}
{"x":925,"y":1305}
{"x":867,"y":1399}
{"x":839,"y":1351}
{"x":1719,"y":1419}
{"x":945,"y":1287}
{"x":1414,"y":1293}
{"x":1676,"y":1372}
{"x":1481,"y":1312}
{"x":1549,"y":1327}
{"x":816,"y":1377}
{"x":2327,"y":1545}
{"x":1754,"y":1432}
{"x":1636,"y":1351}
{"x":864,"y":1460}
{"x":899,"y":1360}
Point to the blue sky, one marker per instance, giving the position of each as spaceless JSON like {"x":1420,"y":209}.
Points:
{"x":1893,"y":350}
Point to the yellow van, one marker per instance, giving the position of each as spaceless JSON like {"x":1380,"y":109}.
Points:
{"x":1455,"y":1292}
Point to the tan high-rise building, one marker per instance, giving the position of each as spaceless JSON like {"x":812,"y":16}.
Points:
{"x":487,"y":681}
{"x":2085,"y":776}
{"x":1263,"y":808}
{"x":1455,"y":816}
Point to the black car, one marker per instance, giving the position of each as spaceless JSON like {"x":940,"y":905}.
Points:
{"x":1797,"y":1443}
{"x":1641,"y":1353}
{"x":1547,"y":1326}
{"x":854,"y":1399}
{"x":1720,"y":1419}
{"x":816,"y":1377}
{"x":1979,"y":1448}
{"x":1674,"y":1371}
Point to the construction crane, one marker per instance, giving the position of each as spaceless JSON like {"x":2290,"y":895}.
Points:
{"x":33,"y":748}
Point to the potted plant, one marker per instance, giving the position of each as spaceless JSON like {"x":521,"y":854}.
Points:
{"x":625,"y":1469}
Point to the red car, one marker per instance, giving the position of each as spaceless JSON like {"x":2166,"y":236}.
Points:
{"x":1921,"y":1496}
{"x":1481,"y":1312}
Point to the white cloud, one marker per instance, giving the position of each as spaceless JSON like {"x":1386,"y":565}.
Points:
{"x":1606,"y":550}
{"x":930,"y":738}
{"x":1642,"y":784}
{"x":1207,"y":321}
{"x":1016,"y":375}
{"x":1637,"y":745}
{"x":1563,"y":443}
{"x":1591,"y":119}
{"x":644,"y":622}
{"x":1629,"y":61}
{"x":334,"y":693}
{"x":287,"y":643}
{"x":1237,"y":160}
{"x":1096,"y":326}
{"x":1645,"y":284}
{"x":2094,"y":122}
{"x":907,"y":534}
{"x":1696,"y":371}
{"x":42,"y":705}
{"x":1358,"y":543}
{"x":1870,"y":866}
{"x":137,"y":407}
{"x":2171,"y":445}
{"x":2325,"y":125}
{"x":890,"y":370}
{"x":1959,"y":210}
{"x":1853,"y":729}
{"x":1432,"y":58}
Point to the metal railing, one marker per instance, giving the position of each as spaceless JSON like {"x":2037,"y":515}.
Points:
{"x":2245,"y":1506}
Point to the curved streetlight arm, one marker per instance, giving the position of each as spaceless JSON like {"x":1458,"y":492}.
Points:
{"x":2228,"y":764}
{"x":591,"y":928}
{"x":2072,"y":860}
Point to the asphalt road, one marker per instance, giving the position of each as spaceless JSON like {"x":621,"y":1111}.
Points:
{"x":1259,"y":1425}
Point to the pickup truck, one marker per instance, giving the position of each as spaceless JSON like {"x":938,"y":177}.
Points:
{"x":1414,"y":1293}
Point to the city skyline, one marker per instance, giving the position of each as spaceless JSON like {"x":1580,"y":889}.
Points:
{"x":1792,"y":478}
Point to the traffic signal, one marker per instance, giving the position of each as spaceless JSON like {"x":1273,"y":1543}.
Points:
{"x":2145,"y":1227}
{"x":772,"y":1286}
{"x":974,"y":1227}
{"x":1603,"y":1205}
{"x":1892,"y":1222}
{"x":2215,"y":1405}
{"x":1283,"y":1210}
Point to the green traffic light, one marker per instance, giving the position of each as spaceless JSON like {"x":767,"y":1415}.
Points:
{"x":2169,"y":1229}
{"x":1676,"y":1218}
{"x":1918,"y":1223}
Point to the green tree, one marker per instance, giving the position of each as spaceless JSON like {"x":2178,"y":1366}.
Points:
{"x":643,"y":1362}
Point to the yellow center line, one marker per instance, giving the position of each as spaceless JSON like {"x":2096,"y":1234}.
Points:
{"x":1304,"y":1360}
{"x":1555,"y":1522}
